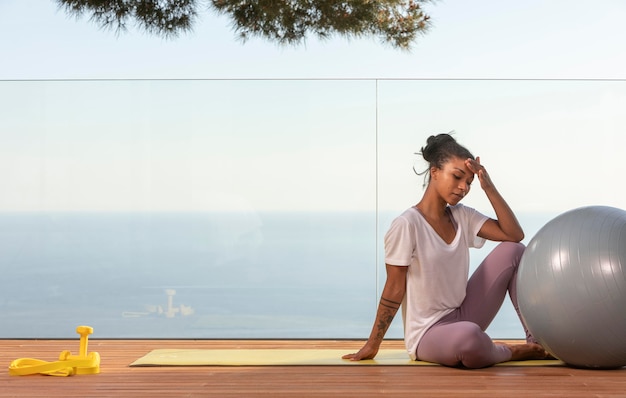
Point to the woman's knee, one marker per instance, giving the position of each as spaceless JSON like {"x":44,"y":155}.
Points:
{"x":509,"y":253}
{"x":515,"y":249}
{"x":475,"y":349}
{"x":469,"y":338}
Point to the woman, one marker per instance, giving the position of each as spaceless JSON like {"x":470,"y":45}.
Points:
{"x":427,"y":262}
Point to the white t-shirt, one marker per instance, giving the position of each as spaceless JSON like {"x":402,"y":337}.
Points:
{"x":438,"y":271}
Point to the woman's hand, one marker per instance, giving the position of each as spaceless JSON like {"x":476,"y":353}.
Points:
{"x":480,"y":171}
{"x":367,"y":352}
{"x":505,"y":227}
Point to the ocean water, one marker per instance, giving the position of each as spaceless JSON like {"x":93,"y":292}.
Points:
{"x":201,"y":275}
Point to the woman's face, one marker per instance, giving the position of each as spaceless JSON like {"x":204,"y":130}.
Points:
{"x":453,"y":180}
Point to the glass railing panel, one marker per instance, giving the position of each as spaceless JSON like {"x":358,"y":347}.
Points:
{"x":549,"y":145}
{"x":256,"y":208}
{"x":188,"y":209}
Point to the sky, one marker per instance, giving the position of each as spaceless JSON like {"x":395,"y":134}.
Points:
{"x":477,"y":39}
{"x":92,"y":120}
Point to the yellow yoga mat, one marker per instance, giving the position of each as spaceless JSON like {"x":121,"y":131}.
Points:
{"x":288,"y":357}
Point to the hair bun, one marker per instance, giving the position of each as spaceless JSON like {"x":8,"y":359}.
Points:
{"x":434,"y":143}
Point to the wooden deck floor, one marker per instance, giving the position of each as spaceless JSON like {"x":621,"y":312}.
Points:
{"x":118,"y":380}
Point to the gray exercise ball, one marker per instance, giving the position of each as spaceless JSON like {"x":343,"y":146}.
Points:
{"x":571,"y":287}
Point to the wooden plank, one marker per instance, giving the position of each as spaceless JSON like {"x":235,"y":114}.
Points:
{"x":118,"y":380}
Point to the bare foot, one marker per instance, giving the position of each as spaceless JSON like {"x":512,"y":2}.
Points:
{"x":523,"y":352}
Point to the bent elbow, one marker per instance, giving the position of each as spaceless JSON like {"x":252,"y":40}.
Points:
{"x":518,"y":237}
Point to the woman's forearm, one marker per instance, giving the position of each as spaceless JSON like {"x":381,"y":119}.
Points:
{"x":504,"y":214}
{"x":390,"y":302}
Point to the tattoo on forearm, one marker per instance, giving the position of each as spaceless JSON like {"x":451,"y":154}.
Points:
{"x":387,"y":312}
{"x":389,"y":303}
{"x":384,"y":321}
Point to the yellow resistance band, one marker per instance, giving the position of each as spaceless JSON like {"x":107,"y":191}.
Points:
{"x":67,"y":365}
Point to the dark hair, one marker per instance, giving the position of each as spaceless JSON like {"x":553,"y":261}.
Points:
{"x":438,"y":150}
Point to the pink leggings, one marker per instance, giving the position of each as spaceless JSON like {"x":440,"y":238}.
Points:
{"x":459,"y":338}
